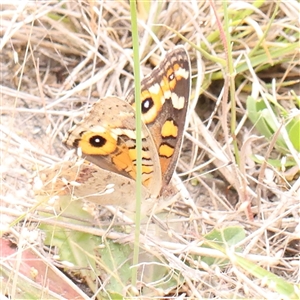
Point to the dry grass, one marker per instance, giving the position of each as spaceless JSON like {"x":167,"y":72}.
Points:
{"x":58,"y":56}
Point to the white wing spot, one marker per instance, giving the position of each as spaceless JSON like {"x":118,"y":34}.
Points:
{"x":130,"y":133}
{"x":177,"y":102}
{"x":183,"y":73}
{"x":167,"y":95}
{"x":154,"y":89}
{"x":98,"y":129}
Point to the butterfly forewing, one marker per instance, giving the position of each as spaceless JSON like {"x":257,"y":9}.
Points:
{"x":107,"y":138}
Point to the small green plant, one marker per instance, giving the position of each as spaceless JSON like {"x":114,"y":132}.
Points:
{"x":270,"y":118}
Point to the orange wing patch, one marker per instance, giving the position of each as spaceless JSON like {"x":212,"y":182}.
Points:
{"x":169,"y":129}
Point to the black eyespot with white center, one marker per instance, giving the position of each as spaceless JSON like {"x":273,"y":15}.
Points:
{"x":97,"y":141}
{"x":147,"y":104}
{"x":171,"y":76}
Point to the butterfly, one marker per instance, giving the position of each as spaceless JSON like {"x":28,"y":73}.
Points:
{"x":106,"y":138}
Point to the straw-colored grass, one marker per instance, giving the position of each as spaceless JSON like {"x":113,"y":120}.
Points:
{"x":233,"y":231}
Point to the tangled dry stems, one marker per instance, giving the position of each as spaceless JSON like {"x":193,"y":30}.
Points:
{"x":59,"y":56}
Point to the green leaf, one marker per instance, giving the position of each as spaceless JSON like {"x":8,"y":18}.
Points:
{"x":273,"y":281}
{"x":224,"y":238}
{"x":114,"y":264}
{"x":74,"y":247}
{"x":229,"y":237}
{"x":255,"y":109}
{"x":263,"y":118}
{"x":273,"y":162}
{"x":293,"y":129}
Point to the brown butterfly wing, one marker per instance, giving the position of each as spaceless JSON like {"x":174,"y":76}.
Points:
{"x":165,"y":96}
